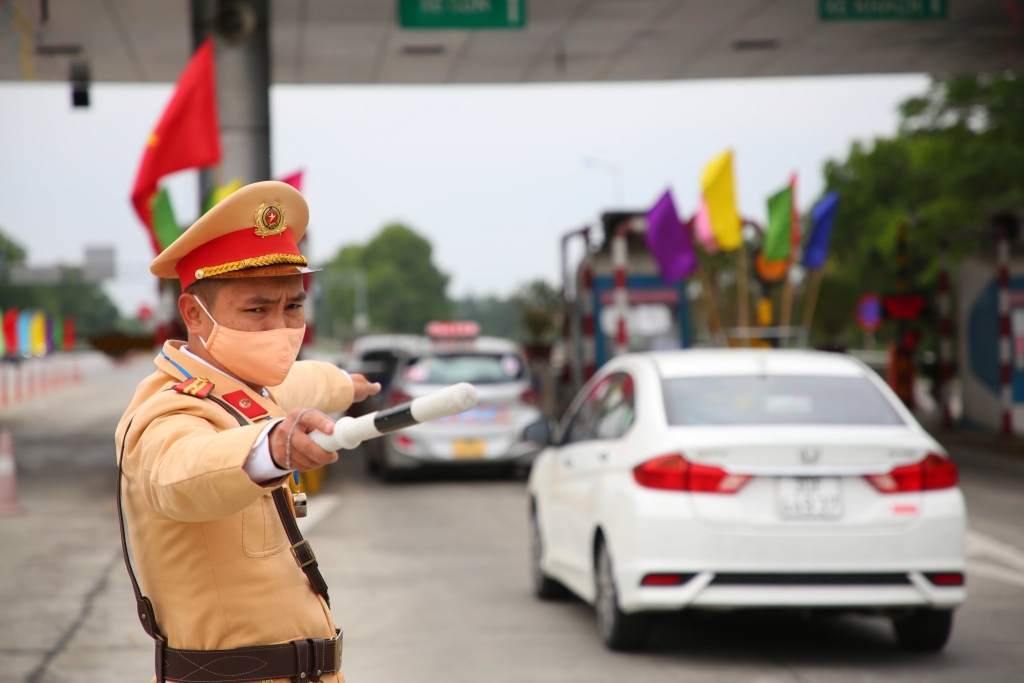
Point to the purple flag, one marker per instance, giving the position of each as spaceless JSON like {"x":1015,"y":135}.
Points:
{"x":669,"y":241}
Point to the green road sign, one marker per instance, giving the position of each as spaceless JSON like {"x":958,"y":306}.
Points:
{"x":881,"y":10}
{"x":462,"y":14}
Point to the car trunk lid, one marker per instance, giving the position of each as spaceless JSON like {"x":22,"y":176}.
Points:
{"x":805,"y":479}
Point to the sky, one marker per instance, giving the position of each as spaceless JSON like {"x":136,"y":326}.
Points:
{"x":491,"y":175}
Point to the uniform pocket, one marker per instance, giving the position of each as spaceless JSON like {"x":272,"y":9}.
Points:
{"x":262,"y":532}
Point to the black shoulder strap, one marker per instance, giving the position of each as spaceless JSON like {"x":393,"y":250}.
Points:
{"x":142,"y":604}
{"x":300,"y":548}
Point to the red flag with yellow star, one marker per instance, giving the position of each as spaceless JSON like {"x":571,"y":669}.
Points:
{"x":187,"y":135}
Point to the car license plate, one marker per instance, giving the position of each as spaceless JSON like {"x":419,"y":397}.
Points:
{"x":810,"y":498}
{"x":468,"y":449}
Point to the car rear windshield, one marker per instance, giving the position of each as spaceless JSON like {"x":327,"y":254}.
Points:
{"x":476,"y":368}
{"x":785,"y":400}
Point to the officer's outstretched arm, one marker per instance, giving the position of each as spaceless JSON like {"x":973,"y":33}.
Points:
{"x":188,"y":471}
{"x":314,"y":384}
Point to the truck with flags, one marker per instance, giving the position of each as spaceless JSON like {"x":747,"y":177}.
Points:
{"x":620,"y":300}
{"x":636,"y":290}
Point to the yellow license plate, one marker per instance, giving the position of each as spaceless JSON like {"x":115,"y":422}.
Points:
{"x":468,"y":449}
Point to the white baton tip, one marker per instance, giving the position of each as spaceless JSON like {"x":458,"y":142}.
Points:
{"x":448,"y":401}
{"x":464,"y":395}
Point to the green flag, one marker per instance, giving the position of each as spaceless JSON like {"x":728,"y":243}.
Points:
{"x":58,"y":334}
{"x":778,"y":237}
{"x":164,"y":224}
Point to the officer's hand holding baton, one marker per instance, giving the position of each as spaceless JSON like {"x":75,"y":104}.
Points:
{"x":306,"y":455}
{"x":314,"y":438}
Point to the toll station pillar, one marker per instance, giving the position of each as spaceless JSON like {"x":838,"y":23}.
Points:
{"x":241,"y":33}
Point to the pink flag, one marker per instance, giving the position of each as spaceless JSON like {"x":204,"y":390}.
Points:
{"x":703,"y":229}
{"x":295,"y":180}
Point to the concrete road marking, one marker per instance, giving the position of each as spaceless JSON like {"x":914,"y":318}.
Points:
{"x":994,"y":559}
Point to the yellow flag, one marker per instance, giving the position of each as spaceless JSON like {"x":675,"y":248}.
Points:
{"x":224,"y":190}
{"x":37,"y":332}
{"x":720,"y":196}
{"x":219,"y":193}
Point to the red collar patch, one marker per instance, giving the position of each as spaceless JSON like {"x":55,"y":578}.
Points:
{"x":200,"y":387}
{"x":245,"y":405}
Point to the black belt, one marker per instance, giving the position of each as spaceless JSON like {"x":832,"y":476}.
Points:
{"x":299,"y":660}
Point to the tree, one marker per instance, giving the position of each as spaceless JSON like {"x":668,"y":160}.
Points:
{"x":954,"y":161}
{"x":495,"y":315}
{"x":538,"y":304}
{"x":405,"y":288}
{"x":10,"y":251}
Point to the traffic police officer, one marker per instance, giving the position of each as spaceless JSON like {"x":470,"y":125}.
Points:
{"x":231,"y":591}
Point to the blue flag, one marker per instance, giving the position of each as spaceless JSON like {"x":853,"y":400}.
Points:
{"x":823,"y":216}
{"x":669,"y":241}
{"x":25,"y":333}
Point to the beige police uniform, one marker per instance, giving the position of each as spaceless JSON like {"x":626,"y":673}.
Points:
{"x":210,"y":550}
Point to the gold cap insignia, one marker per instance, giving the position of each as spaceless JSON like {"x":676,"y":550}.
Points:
{"x":270,"y":220}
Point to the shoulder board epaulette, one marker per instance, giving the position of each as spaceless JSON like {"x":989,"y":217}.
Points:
{"x":200,"y":387}
{"x":244,"y":404}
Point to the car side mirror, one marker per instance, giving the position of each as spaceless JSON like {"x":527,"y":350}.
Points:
{"x":539,"y":433}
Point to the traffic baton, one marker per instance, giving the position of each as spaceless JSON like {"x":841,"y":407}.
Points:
{"x":349,"y":432}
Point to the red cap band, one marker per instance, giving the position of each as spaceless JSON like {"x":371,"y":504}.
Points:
{"x":229,"y":253}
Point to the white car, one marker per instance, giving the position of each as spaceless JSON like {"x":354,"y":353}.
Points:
{"x":735,"y":478}
{"x":491,"y":434}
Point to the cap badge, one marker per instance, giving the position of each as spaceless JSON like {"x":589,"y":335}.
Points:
{"x":270,"y":220}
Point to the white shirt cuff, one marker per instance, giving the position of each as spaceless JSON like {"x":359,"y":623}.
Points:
{"x":260,"y":466}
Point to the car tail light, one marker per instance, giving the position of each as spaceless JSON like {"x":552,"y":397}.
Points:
{"x":403,"y":442}
{"x":397,"y":398}
{"x":529,"y":397}
{"x":674,"y":472}
{"x":933,"y":473}
{"x":665,"y":579}
{"x":945,"y":578}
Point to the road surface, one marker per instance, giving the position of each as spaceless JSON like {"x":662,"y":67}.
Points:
{"x":429,"y":578}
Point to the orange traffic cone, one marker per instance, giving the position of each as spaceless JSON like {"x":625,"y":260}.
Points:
{"x":8,"y":475}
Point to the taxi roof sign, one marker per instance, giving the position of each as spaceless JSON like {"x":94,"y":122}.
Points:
{"x":453,"y":329}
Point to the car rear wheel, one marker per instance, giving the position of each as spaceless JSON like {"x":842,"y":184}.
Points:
{"x":372,"y":455}
{"x":385,"y":472}
{"x":925,"y":630}
{"x":618,"y":630}
{"x":544,"y":587}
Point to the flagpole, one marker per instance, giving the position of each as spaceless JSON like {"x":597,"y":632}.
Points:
{"x":786,"y":315}
{"x":812,"y":299}
{"x":743,"y":294}
{"x":714,"y":319}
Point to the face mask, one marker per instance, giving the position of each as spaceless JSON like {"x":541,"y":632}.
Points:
{"x":262,"y":358}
